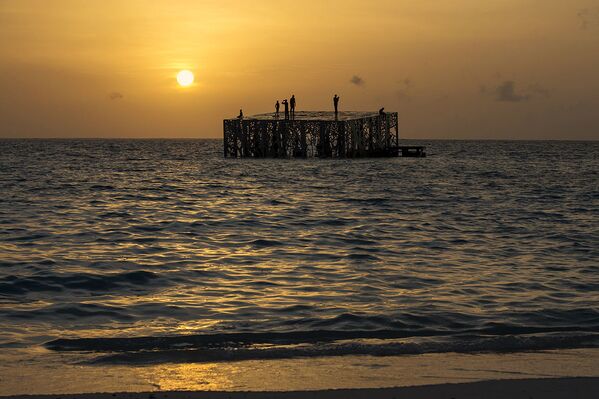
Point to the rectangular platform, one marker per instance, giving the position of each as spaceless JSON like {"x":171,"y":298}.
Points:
{"x":313,"y":134}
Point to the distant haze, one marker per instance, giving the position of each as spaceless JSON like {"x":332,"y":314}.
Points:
{"x":497,"y":69}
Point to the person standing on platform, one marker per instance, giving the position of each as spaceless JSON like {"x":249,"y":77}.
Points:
{"x":336,"y":104}
{"x":277,"y":106}
{"x":286,"y":105}
{"x":292,"y":105}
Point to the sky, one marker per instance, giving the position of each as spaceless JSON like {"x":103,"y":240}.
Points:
{"x":453,"y":69}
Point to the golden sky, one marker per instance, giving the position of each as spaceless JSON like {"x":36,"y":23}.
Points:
{"x":452,"y":68}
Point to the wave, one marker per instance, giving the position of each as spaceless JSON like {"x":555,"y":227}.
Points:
{"x":465,"y":344}
{"x":78,"y":281}
{"x":247,"y":339}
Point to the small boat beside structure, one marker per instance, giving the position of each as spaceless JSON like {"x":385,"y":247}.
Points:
{"x":413,"y":151}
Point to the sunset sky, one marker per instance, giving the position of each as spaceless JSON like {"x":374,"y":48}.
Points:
{"x":451,"y":68}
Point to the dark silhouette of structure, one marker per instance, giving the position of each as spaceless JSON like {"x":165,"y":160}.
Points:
{"x":382,"y":111}
{"x":313,"y":134}
{"x":286,"y":105}
{"x":277,"y":107}
{"x":336,"y":103}
{"x":240,"y":116}
{"x":292,"y":105}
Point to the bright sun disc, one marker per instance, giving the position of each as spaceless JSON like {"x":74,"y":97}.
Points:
{"x":185,"y":78}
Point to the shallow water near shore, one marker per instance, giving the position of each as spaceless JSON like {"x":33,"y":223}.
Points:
{"x":60,"y":374}
{"x":482,"y":246}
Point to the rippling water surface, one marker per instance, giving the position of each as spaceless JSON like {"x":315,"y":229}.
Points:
{"x":481,"y":246}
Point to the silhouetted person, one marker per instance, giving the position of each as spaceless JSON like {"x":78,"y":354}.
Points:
{"x":277,"y":106}
{"x":336,"y":104}
{"x":292,"y":105}
{"x":286,"y":104}
{"x":382,"y":111}
{"x":240,"y":116}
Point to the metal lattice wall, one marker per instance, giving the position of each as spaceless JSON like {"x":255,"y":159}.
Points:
{"x":372,"y":136}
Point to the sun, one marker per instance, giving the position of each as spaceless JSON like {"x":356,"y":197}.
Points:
{"x":185,"y":78}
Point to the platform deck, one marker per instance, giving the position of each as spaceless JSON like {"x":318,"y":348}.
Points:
{"x":315,"y":116}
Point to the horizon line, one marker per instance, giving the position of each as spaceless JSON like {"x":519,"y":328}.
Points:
{"x":220,"y":138}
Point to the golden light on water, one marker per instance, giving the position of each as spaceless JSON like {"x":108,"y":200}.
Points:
{"x":185,"y":78}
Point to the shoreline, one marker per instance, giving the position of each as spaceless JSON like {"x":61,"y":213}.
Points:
{"x":38,"y":371}
{"x":546,"y":388}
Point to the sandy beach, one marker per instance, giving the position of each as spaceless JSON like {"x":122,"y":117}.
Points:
{"x":444,"y":375}
{"x":553,"y":388}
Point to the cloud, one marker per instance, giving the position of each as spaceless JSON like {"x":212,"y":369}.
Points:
{"x":538,"y":90}
{"x":407,"y":83}
{"x":356,"y":80}
{"x":588,"y":17}
{"x":404,"y":92}
{"x":115,"y":95}
{"x":506,"y":92}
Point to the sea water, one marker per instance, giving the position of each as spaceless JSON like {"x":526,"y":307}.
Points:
{"x":162,"y":250}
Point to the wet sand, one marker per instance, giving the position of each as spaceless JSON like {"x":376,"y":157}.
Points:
{"x":552,"y":388}
{"x":543,"y":373}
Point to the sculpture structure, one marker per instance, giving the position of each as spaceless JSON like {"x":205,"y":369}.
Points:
{"x":313,"y":134}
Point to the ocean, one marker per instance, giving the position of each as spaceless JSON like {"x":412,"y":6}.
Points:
{"x":151,"y":251}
